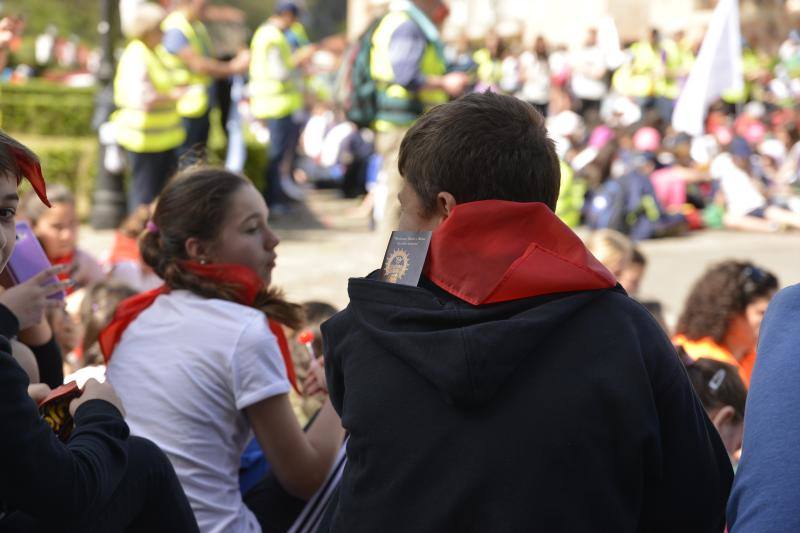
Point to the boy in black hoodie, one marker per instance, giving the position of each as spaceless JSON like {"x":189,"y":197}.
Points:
{"x":101,"y":479}
{"x":517,"y":387}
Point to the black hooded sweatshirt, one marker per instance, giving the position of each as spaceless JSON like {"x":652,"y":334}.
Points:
{"x":518,"y":405}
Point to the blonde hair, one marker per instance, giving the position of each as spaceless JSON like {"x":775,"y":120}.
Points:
{"x":611,"y":248}
{"x":146,"y":17}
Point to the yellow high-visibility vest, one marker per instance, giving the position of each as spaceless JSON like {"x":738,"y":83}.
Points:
{"x":637,"y":78}
{"x":271,"y":97}
{"x":300,"y":34}
{"x":397,"y":106}
{"x":678,"y":59}
{"x":194,"y":103}
{"x":490,"y":70}
{"x":153,"y":130}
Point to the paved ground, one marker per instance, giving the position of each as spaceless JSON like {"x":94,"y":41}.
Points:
{"x":325,"y":243}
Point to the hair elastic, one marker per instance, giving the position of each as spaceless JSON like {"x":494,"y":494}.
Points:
{"x":151,"y":227}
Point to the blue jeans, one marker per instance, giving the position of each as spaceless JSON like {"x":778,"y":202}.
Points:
{"x":150,"y":173}
{"x":283,"y":136}
{"x":196,"y":137}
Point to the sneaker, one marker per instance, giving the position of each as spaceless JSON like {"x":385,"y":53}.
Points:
{"x":292,"y":189}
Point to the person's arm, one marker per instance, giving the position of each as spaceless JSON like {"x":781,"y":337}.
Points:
{"x":765,"y":496}
{"x":56,"y":483}
{"x":214,"y":67}
{"x":695,"y":472}
{"x":301,"y":460}
{"x":406,"y":49}
{"x":50,"y":362}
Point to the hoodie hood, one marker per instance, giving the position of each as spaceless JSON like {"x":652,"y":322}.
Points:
{"x":517,"y":274}
{"x":495,"y":251}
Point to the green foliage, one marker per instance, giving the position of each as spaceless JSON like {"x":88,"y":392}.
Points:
{"x":68,"y":160}
{"x":45,"y":109}
{"x":69,"y":16}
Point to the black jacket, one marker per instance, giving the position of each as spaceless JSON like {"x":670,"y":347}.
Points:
{"x":556,"y":412}
{"x":55,"y":483}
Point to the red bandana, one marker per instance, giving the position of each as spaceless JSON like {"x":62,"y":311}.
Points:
{"x":247,"y":282}
{"x":32,"y":170}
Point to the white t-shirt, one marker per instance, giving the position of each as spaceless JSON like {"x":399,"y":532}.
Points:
{"x":185,"y":369}
{"x":584,"y":62}
{"x":741,"y":196}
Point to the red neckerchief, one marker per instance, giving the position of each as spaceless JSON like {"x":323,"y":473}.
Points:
{"x":496,"y":251}
{"x":124,"y":249}
{"x":32,"y":171}
{"x":64,"y":276}
{"x":247,"y":282}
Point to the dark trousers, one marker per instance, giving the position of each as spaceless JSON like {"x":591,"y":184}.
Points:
{"x":283,"y":136}
{"x":149,"y":498}
{"x":194,"y":147}
{"x":150,"y":173}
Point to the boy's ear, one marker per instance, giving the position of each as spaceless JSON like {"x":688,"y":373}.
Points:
{"x":445,"y":202}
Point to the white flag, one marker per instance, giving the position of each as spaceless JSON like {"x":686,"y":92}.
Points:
{"x":717,"y":69}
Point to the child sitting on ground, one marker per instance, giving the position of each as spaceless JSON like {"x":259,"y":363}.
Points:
{"x":613,"y":249}
{"x":57,"y":230}
{"x":723,"y":394}
{"x":97,"y":310}
{"x":125,"y":261}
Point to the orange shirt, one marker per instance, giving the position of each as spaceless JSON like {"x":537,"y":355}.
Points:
{"x":706,"y":347}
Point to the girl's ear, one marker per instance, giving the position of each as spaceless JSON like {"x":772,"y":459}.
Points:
{"x":724,"y":415}
{"x":196,"y":249}
{"x":729,"y":428}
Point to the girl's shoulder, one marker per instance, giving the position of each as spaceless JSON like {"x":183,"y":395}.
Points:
{"x":213,"y":311}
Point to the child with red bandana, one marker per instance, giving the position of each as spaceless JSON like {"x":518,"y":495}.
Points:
{"x":516,"y":386}
{"x":57,"y":231}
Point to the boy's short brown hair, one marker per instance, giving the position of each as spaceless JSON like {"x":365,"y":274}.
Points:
{"x":10,"y":150}
{"x":481,"y":147}
{"x":17,"y":161}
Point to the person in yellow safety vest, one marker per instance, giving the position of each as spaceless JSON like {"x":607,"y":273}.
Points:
{"x":297,"y":35}
{"x":637,"y":77}
{"x":146,"y":120}
{"x":408,"y":66}
{"x":755,"y":65}
{"x":187,"y":52}
{"x":677,"y":58}
{"x":275,"y":96}
{"x":489,"y":60}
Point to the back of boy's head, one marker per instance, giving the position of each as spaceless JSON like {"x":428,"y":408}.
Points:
{"x":32,"y":208}
{"x":481,"y":147}
{"x":717,"y":384}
